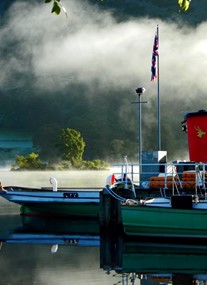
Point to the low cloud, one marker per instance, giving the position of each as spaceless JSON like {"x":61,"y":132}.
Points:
{"x":90,"y":45}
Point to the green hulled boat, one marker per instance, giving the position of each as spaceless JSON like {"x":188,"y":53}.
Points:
{"x":179,"y":216}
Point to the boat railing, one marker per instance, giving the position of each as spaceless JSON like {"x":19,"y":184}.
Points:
{"x":179,"y":177}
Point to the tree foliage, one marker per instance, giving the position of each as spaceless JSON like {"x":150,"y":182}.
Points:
{"x":96,"y":164}
{"x":30,"y":161}
{"x":100,"y":120}
{"x":56,"y":7}
{"x":184,"y":5}
{"x":70,"y":145}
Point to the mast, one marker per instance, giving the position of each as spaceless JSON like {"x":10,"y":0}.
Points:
{"x":158,"y":95}
{"x":156,"y":75}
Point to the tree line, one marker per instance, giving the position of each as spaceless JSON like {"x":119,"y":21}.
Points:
{"x":106,"y":120}
{"x":64,"y":151}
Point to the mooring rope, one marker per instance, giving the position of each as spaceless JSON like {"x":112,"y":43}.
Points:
{"x":115,"y":195}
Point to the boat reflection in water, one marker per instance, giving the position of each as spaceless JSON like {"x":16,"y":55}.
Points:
{"x":55,"y":232}
{"x":177,"y":262}
{"x":128,"y":260}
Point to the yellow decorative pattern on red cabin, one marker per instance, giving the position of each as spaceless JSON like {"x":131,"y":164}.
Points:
{"x":200,"y":132}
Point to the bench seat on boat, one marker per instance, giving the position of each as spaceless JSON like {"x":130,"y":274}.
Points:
{"x":162,"y":181}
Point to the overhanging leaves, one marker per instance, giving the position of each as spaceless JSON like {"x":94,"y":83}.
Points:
{"x":184,"y":5}
{"x":57,"y":7}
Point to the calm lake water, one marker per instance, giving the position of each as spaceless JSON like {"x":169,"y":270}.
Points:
{"x":51,"y":251}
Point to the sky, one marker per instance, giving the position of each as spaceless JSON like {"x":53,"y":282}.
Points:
{"x":91,"y":47}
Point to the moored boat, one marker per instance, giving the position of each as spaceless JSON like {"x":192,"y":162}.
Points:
{"x":178,"y":207}
{"x":178,"y":204}
{"x":73,"y":202}
{"x":165,"y":220}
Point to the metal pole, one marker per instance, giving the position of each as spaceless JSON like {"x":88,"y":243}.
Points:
{"x":140,"y":131}
{"x":158,"y":95}
{"x":140,"y":91}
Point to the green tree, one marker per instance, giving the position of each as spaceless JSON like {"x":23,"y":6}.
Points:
{"x":70,"y":145}
{"x":96,"y":164}
{"x":30,"y":161}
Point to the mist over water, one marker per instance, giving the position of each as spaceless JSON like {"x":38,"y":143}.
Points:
{"x":64,"y":178}
{"x":93,"y":49}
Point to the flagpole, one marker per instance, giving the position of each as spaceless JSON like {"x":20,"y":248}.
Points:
{"x":158,"y":95}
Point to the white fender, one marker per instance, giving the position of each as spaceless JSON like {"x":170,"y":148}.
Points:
{"x":54,"y":183}
{"x":110,"y":180}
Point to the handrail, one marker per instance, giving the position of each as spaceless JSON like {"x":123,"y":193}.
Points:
{"x":183,"y":174}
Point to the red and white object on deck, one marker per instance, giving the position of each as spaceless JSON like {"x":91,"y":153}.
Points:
{"x":196,"y":127}
{"x":110,"y":180}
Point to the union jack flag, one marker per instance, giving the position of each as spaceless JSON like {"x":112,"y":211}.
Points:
{"x":154,"y":58}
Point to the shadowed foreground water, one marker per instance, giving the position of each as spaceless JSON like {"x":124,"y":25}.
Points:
{"x":30,"y":262}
